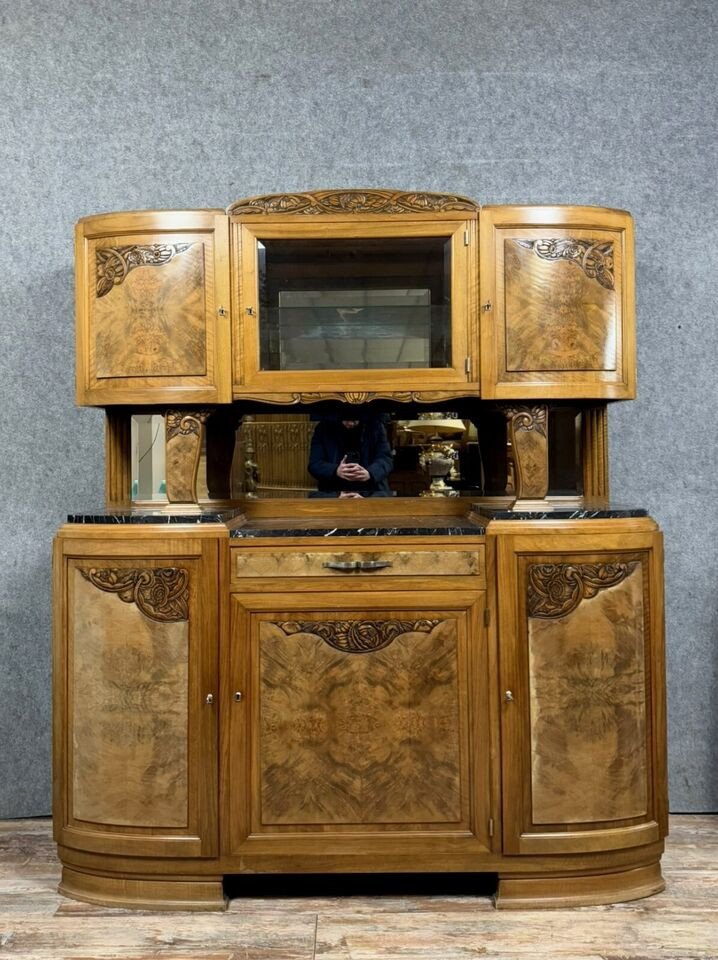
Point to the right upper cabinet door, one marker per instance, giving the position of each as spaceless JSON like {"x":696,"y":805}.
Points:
{"x":557,"y":303}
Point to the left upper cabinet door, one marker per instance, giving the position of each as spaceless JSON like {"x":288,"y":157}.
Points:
{"x":153,"y":308}
{"x":135,"y":694}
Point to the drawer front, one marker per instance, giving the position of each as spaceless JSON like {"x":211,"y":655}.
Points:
{"x":353,"y":564}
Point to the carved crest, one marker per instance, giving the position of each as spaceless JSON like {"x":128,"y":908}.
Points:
{"x":556,"y":589}
{"x":357,"y":636}
{"x":181,"y":423}
{"x":363,"y":396}
{"x":351,"y":201}
{"x":595,"y":258}
{"x":161,"y":593}
{"x":114,"y":263}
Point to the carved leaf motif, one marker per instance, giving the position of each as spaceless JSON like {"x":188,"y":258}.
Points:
{"x":555,"y":589}
{"x":351,"y":201}
{"x":400,"y":396}
{"x":114,"y":263}
{"x":358,"y":636}
{"x":179,"y":422}
{"x":161,"y":593}
{"x":595,"y":258}
{"x":528,"y":418}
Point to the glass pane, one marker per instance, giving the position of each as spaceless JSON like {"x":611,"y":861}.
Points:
{"x":355,"y":304}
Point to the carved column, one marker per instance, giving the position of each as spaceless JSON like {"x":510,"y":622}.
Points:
{"x":184,"y":433}
{"x":528,"y":433}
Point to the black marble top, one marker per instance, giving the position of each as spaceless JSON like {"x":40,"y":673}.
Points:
{"x":134,"y":515}
{"x":406,"y":527}
{"x":560,"y":513}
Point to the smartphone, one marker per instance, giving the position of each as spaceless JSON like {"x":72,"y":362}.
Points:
{"x":352,"y":456}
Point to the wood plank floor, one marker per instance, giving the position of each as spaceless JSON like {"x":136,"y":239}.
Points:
{"x":312,"y":922}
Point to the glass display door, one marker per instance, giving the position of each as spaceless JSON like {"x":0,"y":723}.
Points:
{"x":343,"y":307}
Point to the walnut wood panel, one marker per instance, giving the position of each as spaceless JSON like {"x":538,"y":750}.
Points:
{"x":361,"y":716}
{"x":557,"y":303}
{"x":583,"y":712}
{"x":365,"y":739}
{"x":588,"y":707}
{"x":594,"y":427}
{"x":184,"y":432}
{"x":528,"y":432}
{"x":129,"y":716}
{"x":460,"y":379}
{"x":135,"y":658}
{"x":266,"y":562}
{"x":153,"y":307}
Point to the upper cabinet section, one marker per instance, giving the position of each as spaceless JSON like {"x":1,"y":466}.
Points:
{"x":557,"y":303}
{"x":153,"y":308}
{"x":355,"y":294}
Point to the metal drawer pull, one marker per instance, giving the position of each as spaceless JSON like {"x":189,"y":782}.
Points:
{"x":348,"y":565}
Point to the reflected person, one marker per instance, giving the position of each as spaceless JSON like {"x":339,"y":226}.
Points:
{"x":350,"y":458}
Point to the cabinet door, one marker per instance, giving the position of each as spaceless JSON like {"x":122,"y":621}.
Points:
{"x":581,"y":647}
{"x":355,"y":308}
{"x":135,"y":742}
{"x":153,"y":308}
{"x":362,"y":728}
{"x":557,"y":303}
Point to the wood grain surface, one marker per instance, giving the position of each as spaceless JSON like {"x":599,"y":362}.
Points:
{"x":379,"y":918}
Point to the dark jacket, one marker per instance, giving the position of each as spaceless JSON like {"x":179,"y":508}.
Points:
{"x":331,"y":441}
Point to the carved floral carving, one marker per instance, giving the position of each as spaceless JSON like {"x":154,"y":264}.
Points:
{"x":556,"y":589}
{"x":356,"y":397}
{"x":161,"y":593}
{"x":351,"y":201}
{"x":528,"y":418}
{"x":181,"y":423}
{"x":595,"y":258}
{"x":357,"y":636}
{"x":114,"y":263}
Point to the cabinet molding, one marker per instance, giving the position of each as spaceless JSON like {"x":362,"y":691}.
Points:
{"x":350,"y":201}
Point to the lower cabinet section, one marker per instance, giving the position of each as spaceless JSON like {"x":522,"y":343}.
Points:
{"x":506,"y":719}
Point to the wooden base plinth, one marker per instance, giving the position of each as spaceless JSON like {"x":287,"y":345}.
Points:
{"x":143,"y":894}
{"x":534,"y":893}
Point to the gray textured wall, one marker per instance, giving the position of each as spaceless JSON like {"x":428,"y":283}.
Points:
{"x":174,"y":103}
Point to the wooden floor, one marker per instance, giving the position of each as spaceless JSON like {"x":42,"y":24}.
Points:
{"x":441,"y":920}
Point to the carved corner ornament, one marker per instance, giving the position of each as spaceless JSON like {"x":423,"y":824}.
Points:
{"x":180,"y":423}
{"x":161,"y":593}
{"x":351,"y":201}
{"x":114,"y":263}
{"x":527,"y":418}
{"x":556,"y":589}
{"x":594,"y":257}
{"x":357,"y":636}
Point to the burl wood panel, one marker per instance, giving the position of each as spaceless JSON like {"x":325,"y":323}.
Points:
{"x":588,"y":711}
{"x":153,"y":322}
{"x":558,"y":315}
{"x":184,"y":432}
{"x":295,"y":563}
{"x":360,"y":738}
{"x":129,"y":708}
{"x":529,"y":445}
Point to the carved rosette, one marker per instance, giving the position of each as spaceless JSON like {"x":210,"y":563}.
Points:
{"x":595,"y":258}
{"x":114,"y":263}
{"x":161,"y":593}
{"x":351,"y":201}
{"x":556,"y":589}
{"x":357,"y":636}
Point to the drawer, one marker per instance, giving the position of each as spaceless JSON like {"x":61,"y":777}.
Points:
{"x":350,"y":564}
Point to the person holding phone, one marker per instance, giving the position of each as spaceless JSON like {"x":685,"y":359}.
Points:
{"x":350,"y":458}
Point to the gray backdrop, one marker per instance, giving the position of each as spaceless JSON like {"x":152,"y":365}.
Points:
{"x":194,"y":103}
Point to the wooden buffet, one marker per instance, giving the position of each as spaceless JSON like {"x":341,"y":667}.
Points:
{"x":441,"y":683}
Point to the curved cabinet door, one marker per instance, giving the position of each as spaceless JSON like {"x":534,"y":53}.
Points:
{"x":557,"y":303}
{"x":582,"y":711}
{"x":153,"y":308}
{"x":135,"y":740}
{"x":362,"y":729}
